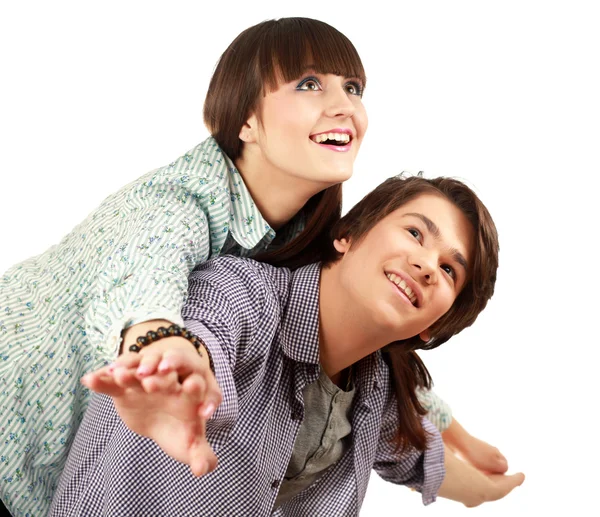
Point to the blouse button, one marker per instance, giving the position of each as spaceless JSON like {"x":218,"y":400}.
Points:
{"x":275,"y":483}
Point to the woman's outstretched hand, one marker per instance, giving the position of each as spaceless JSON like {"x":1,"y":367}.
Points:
{"x":470,"y":486}
{"x":166,"y":392}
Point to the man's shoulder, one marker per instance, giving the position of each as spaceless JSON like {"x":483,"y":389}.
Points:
{"x":242,"y":277}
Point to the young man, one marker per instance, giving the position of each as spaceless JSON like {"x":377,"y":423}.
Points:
{"x":305,"y":380}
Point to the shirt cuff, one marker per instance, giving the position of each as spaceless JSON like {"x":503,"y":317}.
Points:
{"x":225,"y":416}
{"x":433,"y":464}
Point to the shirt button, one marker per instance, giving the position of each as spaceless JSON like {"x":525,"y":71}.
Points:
{"x":275,"y":483}
{"x":295,"y":415}
{"x":114,"y":341}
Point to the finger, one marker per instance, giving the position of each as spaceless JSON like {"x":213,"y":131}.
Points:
{"x":213,"y":396}
{"x":202,"y":458}
{"x":194,"y":386}
{"x":102,"y":384}
{"x":501,"y":462}
{"x":505,"y":484}
{"x":105,"y":371}
{"x":161,"y":383}
{"x":126,"y":378}
{"x":126,"y":360}
{"x":182,"y":360}
{"x":149,"y":363}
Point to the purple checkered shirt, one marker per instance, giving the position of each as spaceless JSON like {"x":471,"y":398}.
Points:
{"x":260,"y":325}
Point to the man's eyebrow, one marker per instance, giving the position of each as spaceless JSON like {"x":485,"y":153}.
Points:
{"x":435,"y":231}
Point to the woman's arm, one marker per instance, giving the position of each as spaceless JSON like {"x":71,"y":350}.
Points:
{"x":167,"y":391}
{"x":467,"y":485}
{"x":478,"y":453}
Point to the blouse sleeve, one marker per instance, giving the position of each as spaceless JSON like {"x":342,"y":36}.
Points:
{"x":155,"y":235}
{"x":438,"y":411}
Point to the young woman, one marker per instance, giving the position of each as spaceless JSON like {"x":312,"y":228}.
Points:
{"x":285,"y":111}
{"x":309,"y":375}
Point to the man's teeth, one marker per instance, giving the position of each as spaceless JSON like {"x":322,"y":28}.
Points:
{"x":338,"y":137}
{"x":403,"y":286}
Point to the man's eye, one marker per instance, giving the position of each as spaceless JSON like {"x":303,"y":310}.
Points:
{"x":415,"y":233}
{"x":449,"y":269}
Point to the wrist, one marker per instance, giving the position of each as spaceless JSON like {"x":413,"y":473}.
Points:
{"x":163,"y":333}
{"x":130,"y":334}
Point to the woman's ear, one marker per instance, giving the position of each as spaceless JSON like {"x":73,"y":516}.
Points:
{"x":248,"y":133}
{"x":425,"y":335}
{"x":341,"y":245}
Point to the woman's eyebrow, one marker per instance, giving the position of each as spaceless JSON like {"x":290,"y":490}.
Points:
{"x":435,"y":231}
{"x":313,"y":68}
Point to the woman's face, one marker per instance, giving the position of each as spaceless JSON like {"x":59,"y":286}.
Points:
{"x":309,"y":129}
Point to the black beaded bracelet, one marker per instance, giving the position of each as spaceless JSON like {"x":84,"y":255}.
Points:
{"x":174,"y":330}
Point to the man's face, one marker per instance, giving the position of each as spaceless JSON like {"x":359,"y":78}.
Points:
{"x":409,"y":268}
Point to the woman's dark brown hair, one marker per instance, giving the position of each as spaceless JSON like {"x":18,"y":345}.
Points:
{"x":408,"y":371}
{"x":256,"y":62}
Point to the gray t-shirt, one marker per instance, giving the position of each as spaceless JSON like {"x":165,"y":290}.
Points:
{"x":323,"y":438}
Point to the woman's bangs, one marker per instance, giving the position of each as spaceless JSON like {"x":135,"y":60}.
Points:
{"x":294,"y":47}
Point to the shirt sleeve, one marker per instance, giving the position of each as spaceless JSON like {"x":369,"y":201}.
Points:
{"x":423,"y":471}
{"x":155,"y":235}
{"x":230,"y":307}
{"x":439,"y":412}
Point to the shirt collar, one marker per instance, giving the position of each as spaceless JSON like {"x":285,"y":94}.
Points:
{"x":300,"y":323}
{"x":300,"y":330}
{"x":368,"y":374}
{"x":247,"y":225}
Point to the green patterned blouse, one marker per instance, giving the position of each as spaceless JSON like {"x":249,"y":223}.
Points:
{"x":62,"y":312}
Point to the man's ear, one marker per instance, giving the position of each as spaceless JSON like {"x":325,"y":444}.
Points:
{"x":341,"y":245}
{"x":425,"y":335}
{"x":249,"y":131}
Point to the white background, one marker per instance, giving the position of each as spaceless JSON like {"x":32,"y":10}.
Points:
{"x":502,"y":94}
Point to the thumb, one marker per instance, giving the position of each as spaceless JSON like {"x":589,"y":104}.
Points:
{"x":202,"y":457}
{"x":505,"y":484}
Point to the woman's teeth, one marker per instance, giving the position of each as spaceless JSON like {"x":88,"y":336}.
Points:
{"x":333,"y":137}
{"x":403,"y":287}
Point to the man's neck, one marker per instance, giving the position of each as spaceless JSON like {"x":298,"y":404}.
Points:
{"x":344,"y":336}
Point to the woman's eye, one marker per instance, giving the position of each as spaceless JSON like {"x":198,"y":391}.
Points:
{"x":309,"y":84}
{"x":354,"y":89}
{"x":449,"y":269}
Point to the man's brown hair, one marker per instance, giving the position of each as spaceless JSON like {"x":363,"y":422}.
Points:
{"x":408,"y":371}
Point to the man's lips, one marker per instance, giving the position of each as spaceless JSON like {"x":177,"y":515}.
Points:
{"x":407,"y":286}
